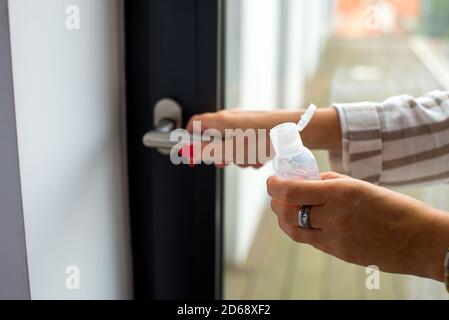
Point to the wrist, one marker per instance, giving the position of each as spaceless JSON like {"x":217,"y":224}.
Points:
{"x":324,"y":131}
{"x":283,"y":116}
{"x":441,"y":245}
{"x":438,"y":246}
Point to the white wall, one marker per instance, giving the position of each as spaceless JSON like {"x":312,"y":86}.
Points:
{"x":69,"y":116}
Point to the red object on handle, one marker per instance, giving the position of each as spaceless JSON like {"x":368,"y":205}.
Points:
{"x":188,"y":153}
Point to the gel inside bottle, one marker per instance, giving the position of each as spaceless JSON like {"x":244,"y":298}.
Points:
{"x":293,"y":160}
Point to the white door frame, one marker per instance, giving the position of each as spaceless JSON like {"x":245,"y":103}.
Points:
{"x":14,"y":280}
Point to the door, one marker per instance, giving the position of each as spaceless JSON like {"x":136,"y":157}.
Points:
{"x":173,"y":51}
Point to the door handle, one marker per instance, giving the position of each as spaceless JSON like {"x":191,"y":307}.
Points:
{"x":167,"y":118}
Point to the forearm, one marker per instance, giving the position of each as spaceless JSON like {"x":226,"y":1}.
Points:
{"x":399,"y":142}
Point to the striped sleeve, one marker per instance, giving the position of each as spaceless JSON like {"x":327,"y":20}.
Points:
{"x":402,"y":141}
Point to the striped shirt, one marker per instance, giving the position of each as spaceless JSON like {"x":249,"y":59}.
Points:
{"x":402,"y":141}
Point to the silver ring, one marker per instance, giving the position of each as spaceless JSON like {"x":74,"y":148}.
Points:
{"x":304,"y":217}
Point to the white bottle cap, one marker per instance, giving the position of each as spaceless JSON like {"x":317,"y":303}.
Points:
{"x":307,"y":117}
{"x":286,"y":139}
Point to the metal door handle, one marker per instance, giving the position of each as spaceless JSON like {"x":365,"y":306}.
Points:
{"x":167,"y":118}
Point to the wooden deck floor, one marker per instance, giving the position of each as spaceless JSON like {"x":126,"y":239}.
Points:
{"x":278,"y":268}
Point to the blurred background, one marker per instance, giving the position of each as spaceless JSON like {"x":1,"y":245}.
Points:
{"x":287,"y":54}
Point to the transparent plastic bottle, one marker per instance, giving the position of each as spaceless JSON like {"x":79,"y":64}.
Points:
{"x":293,"y":160}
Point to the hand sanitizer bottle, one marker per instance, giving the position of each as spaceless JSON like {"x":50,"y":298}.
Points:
{"x":293,"y":160}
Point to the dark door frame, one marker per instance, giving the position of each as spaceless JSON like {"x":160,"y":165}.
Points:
{"x":173,"y":50}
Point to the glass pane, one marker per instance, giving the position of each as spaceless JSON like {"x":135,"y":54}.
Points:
{"x":287,"y":54}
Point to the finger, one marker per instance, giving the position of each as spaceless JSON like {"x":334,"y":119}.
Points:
{"x":286,"y":212}
{"x":215,"y":152}
{"x":332,"y":176}
{"x":189,"y":127}
{"x":212,"y":152}
{"x":310,"y":193}
{"x":301,"y":235}
{"x":319,"y":217}
{"x":289,"y":214}
{"x":225,"y":152}
{"x":205,"y":122}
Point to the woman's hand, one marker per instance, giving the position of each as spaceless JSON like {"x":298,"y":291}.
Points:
{"x":364,"y":224}
{"x":234,"y":126}
{"x":243,"y":119}
{"x":322,"y":133}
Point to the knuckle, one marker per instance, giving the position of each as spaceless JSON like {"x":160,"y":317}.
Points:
{"x":273,"y":206}
{"x":288,"y":230}
{"x":221,"y":115}
{"x":346,"y":189}
{"x":294,"y":234}
{"x":346,"y":255}
{"x":314,"y":239}
{"x":297,"y":238}
{"x":223,"y":112}
{"x":283,"y":211}
{"x":205,"y":117}
{"x":269,"y":184}
{"x":289,"y":193}
{"x":329,"y":175}
{"x":196,"y":118}
{"x":302,"y":236}
{"x":225,"y":116}
{"x":270,"y":190}
{"x":283,"y":221}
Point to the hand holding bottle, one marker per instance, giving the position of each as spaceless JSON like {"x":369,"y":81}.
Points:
{"x":364,"y":224}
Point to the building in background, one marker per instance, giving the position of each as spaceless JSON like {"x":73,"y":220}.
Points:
{"x":361,"y":18}
{"x":435,"y":18}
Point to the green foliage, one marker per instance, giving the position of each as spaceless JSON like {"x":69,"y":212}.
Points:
{"x":435,"y":18}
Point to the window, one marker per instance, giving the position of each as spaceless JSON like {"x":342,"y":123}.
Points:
{"x":287,"y":54}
